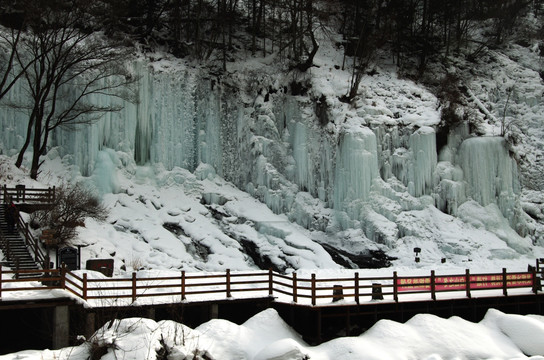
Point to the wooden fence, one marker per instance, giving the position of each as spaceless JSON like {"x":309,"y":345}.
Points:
{"x":181,"y":287}
{"x":22,"y":194}
{"x":20,"y":281}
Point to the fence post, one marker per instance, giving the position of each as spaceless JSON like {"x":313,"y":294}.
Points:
{"x":84,"y":286}
{"x":357,"y":288}
{"x":535,"y":284}
{"x":0,"y":282}
{"x":395,"y":287}
{"x":270,"y":282}
{"x":295,"y":295}
{"x":63,"y":276}
{"x":133,"y":286}
{"x":313,"y":289}
{"x":183,"y":285}
{"x":228,"y":283}
{"x":467,"y":283}
{"x":433,"y":285}
{"x":504,"y":282}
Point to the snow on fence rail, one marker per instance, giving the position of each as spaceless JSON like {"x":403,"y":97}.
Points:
{"x":144,"y":288}
{"x":20,"y":193}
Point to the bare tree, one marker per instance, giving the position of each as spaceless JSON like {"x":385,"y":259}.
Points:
{"x":8,"y":78}
{"x":10,"y":74}
{"x":65,"y":67}
{"x":362,"y":45}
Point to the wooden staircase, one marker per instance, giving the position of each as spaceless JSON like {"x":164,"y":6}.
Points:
{"x":16,"y":253}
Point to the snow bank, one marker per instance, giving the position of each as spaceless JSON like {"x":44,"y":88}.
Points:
{"x":267,"y":337}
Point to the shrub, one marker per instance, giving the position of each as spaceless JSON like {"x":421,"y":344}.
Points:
{"x":72,"y":205}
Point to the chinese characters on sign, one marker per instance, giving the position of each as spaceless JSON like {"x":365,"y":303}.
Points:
{"x":457,"y":282}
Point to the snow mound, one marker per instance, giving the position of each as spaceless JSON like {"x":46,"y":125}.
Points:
{"x":267,"y":337}
{"x":285,"y":349}
{"x":526,"y":332}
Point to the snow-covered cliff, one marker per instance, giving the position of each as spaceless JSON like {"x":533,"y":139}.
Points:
{"x":273,"y":145}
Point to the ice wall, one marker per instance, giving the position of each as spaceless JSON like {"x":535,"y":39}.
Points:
{"x":159,"y":128}
{"x":424,"y":158}
{"x":490,"y":173}
{"x":272,"y":145}
{"x":356,"y":169}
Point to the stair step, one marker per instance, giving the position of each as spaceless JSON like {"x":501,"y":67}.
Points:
{"x":27,"y":266}
{"x":19,"y":254}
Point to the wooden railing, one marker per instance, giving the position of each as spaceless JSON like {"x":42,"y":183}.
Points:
{"x":41,"y":259}
{"x":19,"y":281}
{"x":180,"y":287}
{"x":22,"y":194}
{"x":29,"y":195}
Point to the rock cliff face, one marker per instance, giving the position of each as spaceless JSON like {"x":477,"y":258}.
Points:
{"x":326,"y":168}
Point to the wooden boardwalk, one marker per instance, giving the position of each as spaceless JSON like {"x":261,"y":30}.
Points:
{"x":318,"y":308}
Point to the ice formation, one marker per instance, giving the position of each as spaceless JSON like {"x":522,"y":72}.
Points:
{"x":272,"y":145}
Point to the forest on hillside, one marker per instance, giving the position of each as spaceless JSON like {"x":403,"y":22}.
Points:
{"x":416,"y":32}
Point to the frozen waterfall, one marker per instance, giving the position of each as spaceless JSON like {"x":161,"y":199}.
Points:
{"x":356,"y":169}
{"x":490,"y":173}
{"x":272,"y":145}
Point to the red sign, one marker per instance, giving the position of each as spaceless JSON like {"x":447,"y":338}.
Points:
{"x":457,"y":282}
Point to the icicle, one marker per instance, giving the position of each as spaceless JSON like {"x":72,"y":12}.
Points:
{"x":356,"y":168}
{"x":490,"y":172}
{"x":423,"y":149}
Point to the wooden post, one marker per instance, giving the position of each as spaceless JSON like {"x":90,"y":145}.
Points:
{"x":270,"y":283}
{"x":183,"y":285}
{"x":227,"y":278}
{"x":467,"y":283}
{"x":46,"y":262}
{"x":63,"y":276}
{"x":0,"y":282}
{"x":535,"y":284}
{"x":17,"y":268}
{"x":133,"y":286}
{"x":357,"y":288}
{"x":84,"y":286}
{"x":313,"y":289}
{"x":504,"y":283}
{"x":295,"y":295}
{"x":433,"y":285}
{"x":395,"y":287}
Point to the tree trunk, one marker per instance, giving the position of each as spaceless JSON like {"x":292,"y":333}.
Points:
{"x":37,"y":148}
